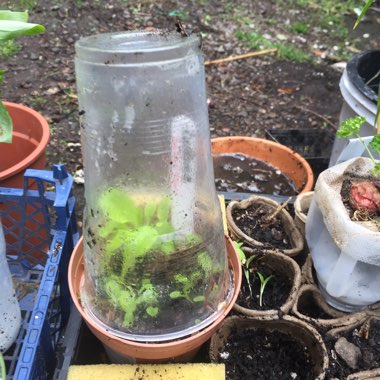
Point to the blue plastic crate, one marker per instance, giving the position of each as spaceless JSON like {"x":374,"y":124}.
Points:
{"x":40,"y":231}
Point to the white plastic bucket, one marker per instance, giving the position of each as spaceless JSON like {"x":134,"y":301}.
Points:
{"x":358,"y":100}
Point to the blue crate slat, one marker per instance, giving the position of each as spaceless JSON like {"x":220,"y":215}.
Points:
{"x":32,"y":230}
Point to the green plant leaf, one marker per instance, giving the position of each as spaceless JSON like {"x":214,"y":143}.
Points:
{"x":375,"y":144}
{"x":376,"y":169}
{"x":5,"y":125}
{"x":143,"y":240}
{"x":119,"y":207}
{"x":12,"y":29}
{"x":263,"y":283}
{"x":1,"y":75}
{"x":15,"y":16}
{"x":168,"y":247}
{"x":149,"y":212}
{"x":205,"y":261}
{"x":163,"y":210}
{"x":152,"y":311}
{"x":239,"y":251}
{"x":176,"y":294}
{"x":199,"y":299}
{"x":363,"y":12}
{"x":350,"y":127}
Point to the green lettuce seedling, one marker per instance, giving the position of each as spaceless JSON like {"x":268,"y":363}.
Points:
{"x":351,"y":128}
{"x":131,"y":237}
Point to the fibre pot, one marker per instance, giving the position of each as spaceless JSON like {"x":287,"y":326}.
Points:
{"x":30,"y":137}
{"x":356,"y":349}
{"x":282,"y":222}
{"x":289,"y":331}
{"x":301,"y":207}
{"x":310,"y":306}
{"x":180,"y":350}
{"x":282,"y":268}
{"x":289,"y":162}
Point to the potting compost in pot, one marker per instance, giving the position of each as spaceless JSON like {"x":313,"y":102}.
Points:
{"x":155,"y":256}
{"x":241,"y":173}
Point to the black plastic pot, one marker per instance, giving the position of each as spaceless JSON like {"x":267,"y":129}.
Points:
{"x":361,"y":69}
{"x":314,"y":145}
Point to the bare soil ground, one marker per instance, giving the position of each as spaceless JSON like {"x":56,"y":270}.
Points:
{"x":247,"y":97}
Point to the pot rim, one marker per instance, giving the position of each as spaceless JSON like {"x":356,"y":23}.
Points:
{"x":40,"y":147}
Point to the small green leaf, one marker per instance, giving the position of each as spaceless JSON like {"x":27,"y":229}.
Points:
{"x":6,"y":125}
{"x":152,"y":311}
{"x":163,"y":210}
{"x":199,"y":298}
{"x":376,"y":169}
{"x":350,"y":127}
{"x":375,"y":144}
{"x":239,"y":251}
{"x":363,"y":12}
{"x":176,"y":294}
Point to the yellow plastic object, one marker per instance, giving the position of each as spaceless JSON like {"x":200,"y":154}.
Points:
{"x":223,"y":208}
{"x":196,"y":371}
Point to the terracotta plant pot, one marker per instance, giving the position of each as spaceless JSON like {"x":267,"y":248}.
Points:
{"x":289,"y":162}
{"x":294,"y":235}
{"x":294,"y":329}
{"x":301,"y":207}
{"x":280,"y":265}
{"x":30,"y":137}
{"x":180,"y":350}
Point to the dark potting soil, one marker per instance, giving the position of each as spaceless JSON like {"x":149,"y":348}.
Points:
{"x":367,"y":339}
{"x":238,"y":172}
{"x":276,"y":290}
{"x":308,"y":306}
{"x":263,"y":354}
{"x":252,"y":221}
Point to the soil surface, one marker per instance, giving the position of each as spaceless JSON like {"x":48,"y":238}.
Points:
{"x":246,"y":97}
{"x":366,"y":339}
{"x":267,"y":355}
{"x":258,"y":222}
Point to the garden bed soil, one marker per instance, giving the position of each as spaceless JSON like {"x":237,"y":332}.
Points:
{"x":246,"y":97}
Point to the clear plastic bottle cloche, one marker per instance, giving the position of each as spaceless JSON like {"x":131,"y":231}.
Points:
{"x":155,"y":258}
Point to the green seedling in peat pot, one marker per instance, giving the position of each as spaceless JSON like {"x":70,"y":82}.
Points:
{"x":12,"y":25}
{"x":263,"y":283}
{"x":351,"y":128}
{"x":245,"y":263}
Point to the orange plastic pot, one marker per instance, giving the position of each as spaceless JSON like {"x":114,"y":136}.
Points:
{"x":30,"y":137}
{"x":289,"y":162}
{"x":180,"y":350}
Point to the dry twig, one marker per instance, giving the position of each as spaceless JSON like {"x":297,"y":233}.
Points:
{"x":242,"y":56}
{"x":280,"y":207}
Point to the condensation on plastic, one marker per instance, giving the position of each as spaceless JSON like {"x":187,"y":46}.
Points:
{"x":345,"y":253}
{"x":10,"y":314}
{"x":145,"y":138}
